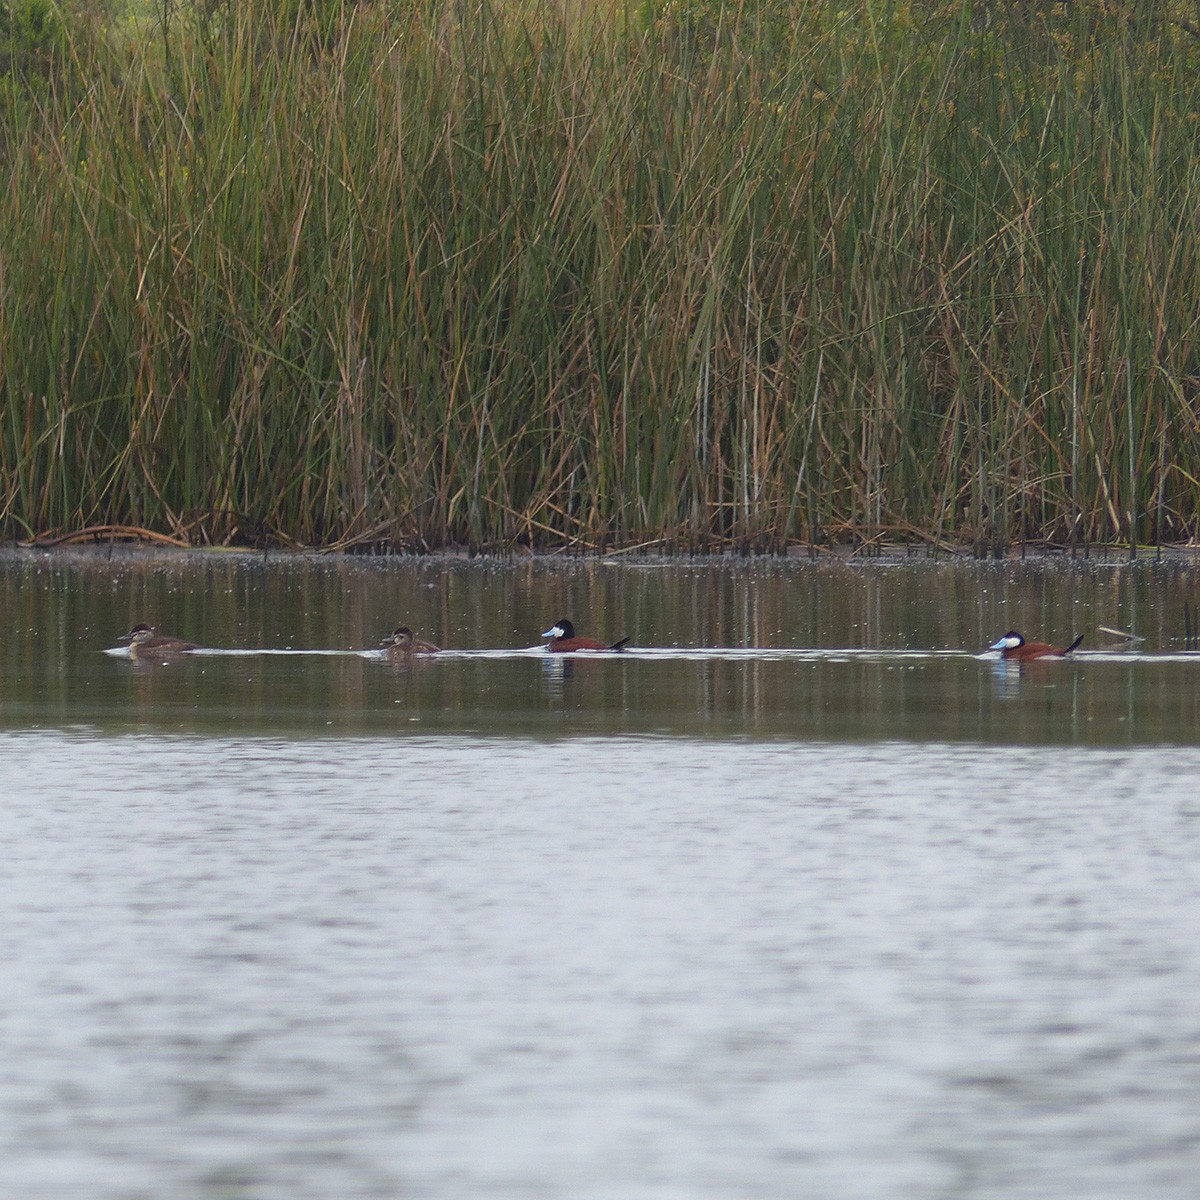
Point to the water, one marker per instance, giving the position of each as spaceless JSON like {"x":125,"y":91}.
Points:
{"x":827,"y":652}
{"x":858,"y":916}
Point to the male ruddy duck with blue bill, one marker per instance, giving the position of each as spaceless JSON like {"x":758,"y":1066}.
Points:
{"x":145,"y":643}
{"x":564,"y":640}
{"x":1013,"y":646}
{"x":403,"y":643}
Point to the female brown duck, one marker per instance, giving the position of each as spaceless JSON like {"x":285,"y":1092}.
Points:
{"x":145,"y":643}
{"x":404,"y":644}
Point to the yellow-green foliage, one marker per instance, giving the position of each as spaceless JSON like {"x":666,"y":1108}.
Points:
{"x":422,"y":274}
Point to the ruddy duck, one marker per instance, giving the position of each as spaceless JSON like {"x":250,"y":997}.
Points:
{"x":404,"y":642}
{"x":145,"y":643}
{"x":564,"y":640}
{"x":1013,"y":645}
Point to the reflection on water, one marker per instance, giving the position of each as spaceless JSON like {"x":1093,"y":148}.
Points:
{"x":830,"y":650}
{"x":631,"y":967}
{"x":1008,"y":679}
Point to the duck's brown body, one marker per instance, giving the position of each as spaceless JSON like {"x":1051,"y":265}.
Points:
{"x":145,"y":643}
{"x":564,"y":640}
{"x":1014,"y":647}
{"x":404,"y":644}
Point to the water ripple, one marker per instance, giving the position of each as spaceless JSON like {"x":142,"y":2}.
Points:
{"x":604,"y":967}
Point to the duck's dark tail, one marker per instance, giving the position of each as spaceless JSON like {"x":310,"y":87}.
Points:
{"x":619,"y":645}
{"x":1073,"y":645}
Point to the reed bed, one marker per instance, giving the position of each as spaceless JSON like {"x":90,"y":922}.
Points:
{"x":420,"y":276}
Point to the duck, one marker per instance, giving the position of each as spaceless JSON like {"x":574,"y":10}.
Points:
{"x":145,"y":643}
{"x":1013,"y":646}
{"x":564,"y":640}
{"x":403,"y":643}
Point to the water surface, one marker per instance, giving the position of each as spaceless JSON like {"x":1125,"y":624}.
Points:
{"x":830,"y":650}
{"x":804,"y":897}
{"x":442,"y":967}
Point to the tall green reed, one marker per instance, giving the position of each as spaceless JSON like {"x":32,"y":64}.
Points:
{"x":469,"y":275}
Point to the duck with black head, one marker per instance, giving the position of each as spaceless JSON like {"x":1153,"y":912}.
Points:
{"x":564,"y":640}
{"x":1013,"y":646}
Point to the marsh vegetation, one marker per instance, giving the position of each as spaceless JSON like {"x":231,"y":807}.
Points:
{"x":699,"y":276}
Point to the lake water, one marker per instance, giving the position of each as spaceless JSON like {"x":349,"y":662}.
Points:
{"x":802,"y":897}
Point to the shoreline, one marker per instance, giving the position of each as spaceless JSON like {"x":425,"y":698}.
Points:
{"x":126,"y":549}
